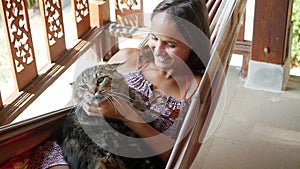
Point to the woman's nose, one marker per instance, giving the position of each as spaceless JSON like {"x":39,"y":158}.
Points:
{"x":159,"y":48}
{"x":159,"y":44}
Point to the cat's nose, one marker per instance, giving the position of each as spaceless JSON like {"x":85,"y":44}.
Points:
{"x":98,"y":95}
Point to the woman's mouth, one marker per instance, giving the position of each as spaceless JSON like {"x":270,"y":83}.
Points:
{"x":163,"y":62}
{"x":164,"y":59}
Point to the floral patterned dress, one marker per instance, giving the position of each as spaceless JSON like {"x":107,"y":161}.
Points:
{"x":170,"y":110}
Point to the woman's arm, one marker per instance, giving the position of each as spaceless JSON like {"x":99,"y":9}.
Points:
{"x":128,"y":56}
{"x":157,"y":141}
{"x":120,"y":110}
{"x":123,"y":55}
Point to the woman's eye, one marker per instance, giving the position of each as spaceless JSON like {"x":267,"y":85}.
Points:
{"x":170,"y":45}
{"x":153,"y":37}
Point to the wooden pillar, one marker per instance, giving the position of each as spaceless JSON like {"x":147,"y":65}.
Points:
{"x":99,"y":12}
{"x":82,"y":16}
{"x":243,"y":47}
{"x":271,"y":25}
{"x":51,"y":12}
{"x":18,"y":35}
{"x":269,"y":63}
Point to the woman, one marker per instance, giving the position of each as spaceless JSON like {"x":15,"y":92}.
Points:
{"x":180,"y":46}
{"x":174,"y":71}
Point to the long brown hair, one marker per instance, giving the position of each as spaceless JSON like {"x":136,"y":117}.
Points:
{"x":194,"y":12}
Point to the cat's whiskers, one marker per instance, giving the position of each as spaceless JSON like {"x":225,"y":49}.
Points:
{"x":79,"y":105}
{"x":121,"y":96}
{"x":110,"y":99}
{"x":117,"y":102}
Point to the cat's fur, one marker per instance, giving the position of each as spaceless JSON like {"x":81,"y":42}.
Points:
{"x":87,"y":139}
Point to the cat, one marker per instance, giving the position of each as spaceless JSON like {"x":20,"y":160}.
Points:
{"x":87,"y":140}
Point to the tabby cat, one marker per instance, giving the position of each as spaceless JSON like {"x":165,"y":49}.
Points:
{"x":90,"y":142}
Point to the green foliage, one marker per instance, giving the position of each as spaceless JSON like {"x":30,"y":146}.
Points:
{"x":31,"y":3}
{"x":295,"y":53}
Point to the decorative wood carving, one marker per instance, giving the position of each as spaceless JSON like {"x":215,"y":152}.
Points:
{"x":82,"y":16}
{"x":54,"y":28}
{"x":128,"y":3}
{"x":15,"y":15}
{"x":129,"y":12}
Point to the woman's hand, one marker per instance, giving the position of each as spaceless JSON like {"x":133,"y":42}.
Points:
{"x":115,"y":109}
{"x":119,"y":109}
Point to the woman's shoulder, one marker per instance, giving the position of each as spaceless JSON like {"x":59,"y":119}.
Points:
{"x":123,"y":55}
{"x":128,"y":56}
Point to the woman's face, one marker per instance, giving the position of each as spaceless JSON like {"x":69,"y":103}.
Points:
{"x":168,"y":51}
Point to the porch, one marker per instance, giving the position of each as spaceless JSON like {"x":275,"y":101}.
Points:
{"x":252,"y":129}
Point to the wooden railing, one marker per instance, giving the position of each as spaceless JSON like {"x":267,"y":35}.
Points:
{"x":30,"y":83}
{"x":88,"y":16}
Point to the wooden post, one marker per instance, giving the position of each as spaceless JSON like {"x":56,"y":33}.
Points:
{"x":82,"y":17}
{"x":268,"y":63}
{"x":243,"y":48}
{"x":18,"y":35}
{"x":99,"y":12}
{"x":271,"y":22}
{"x":53,"y":28}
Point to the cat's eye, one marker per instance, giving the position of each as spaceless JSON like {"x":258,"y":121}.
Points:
{"x":100,"y":80}
{"x":84,"y":86}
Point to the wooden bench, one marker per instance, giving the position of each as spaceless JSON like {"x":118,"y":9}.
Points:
{"x":20,"y":137}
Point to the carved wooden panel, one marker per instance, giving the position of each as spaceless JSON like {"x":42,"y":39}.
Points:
{"x":15,"y":16}
{"x":54,"y":28}
{"x":82,"y":16}
{"x":129,"y":12}
{"x":127,"y":3}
